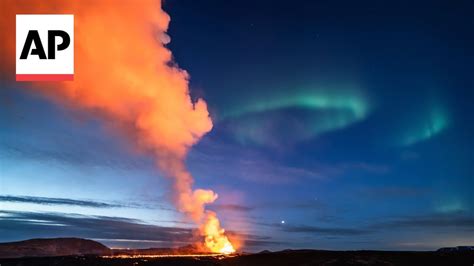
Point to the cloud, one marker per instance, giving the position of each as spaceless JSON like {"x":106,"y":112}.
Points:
{"x":262,"y":243}
{"x":20,"y":225}
{"x":79,"y":203}
{"x":59,"y":201}
{"x":231,"y":207}
{"x":372,"y":168}
{"x":112,"y":231}
{"x":273,"y":205}
{"x":263,"y":171}
{"x":430,"y":223}
{"x":218,"y":159}
{"x":36,"y":130}
{"x":310,"y":229}
{"x":73,"y":154}
{"x":256,"y":170}
{"x":333,"y":231}
{"x":393,"y":192}
{"x":214,"y":158}
{"x":292,"y":205}
{"x":82,"y":203}
{"x":459,"y":220}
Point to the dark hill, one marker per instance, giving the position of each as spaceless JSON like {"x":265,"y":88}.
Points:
{"x":52,"y":247}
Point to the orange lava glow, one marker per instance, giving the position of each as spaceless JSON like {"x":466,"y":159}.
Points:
{"x":219,"y":256}
{"x":215,"y":239}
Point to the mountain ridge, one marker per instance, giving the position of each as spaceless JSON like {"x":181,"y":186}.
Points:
{"x":45,"y":247}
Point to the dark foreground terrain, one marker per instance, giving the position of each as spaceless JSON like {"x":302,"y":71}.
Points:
{"x":295,"y":257}
{"x":82,"y":252}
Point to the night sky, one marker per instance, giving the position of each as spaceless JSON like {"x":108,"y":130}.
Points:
{"x":337,"y":125}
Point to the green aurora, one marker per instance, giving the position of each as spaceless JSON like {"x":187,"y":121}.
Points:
{"x":426,"y":127}
{"x":325,"y":111}
{"x":260,"y":120}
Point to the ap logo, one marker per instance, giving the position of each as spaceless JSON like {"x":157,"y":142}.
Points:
{"x":44,"y":47}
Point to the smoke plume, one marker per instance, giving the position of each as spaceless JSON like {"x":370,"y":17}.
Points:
{"x":124,"y":72}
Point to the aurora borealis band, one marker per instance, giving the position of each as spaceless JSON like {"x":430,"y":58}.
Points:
{"x":432,"y":123}
{"x":314,"y":100}
{"x":321,"y":111}
{"x":336,"y":125}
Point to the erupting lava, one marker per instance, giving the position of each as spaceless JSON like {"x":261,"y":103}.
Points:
{"x":126,"y":74}
{"x":215,"y":239}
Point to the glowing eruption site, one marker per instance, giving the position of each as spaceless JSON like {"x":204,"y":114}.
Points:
{"x":124,"y":72}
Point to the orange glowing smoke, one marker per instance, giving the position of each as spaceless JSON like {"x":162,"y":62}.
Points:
{"x":124,"y":72}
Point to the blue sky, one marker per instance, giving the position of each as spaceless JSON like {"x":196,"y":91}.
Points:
{"x":351,"y":122}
